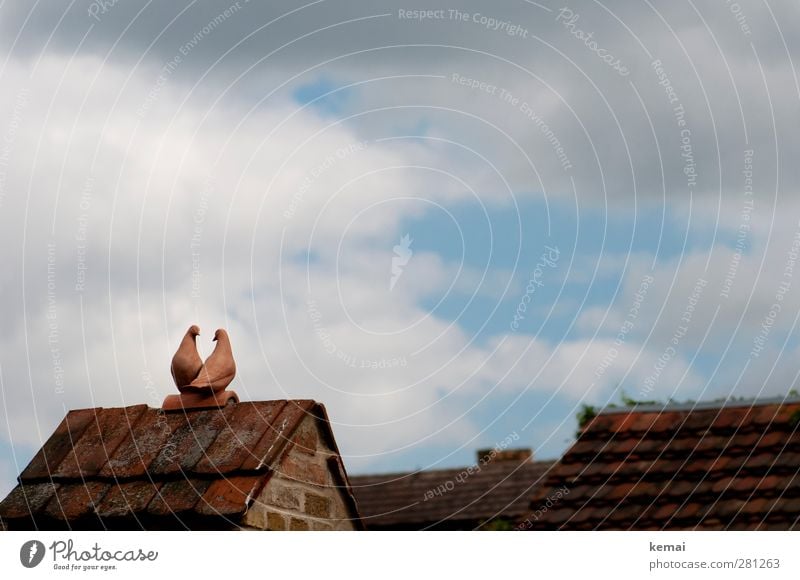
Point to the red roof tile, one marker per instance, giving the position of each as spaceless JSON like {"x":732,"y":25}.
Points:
{"x":128,"y":499}
{"x":177,"y":497}
{"x":27,"y":498}
{"x":148,"y":438}
{"x":726,"y":467}
{"x":188,"y":443}
{"x":98,"y":441}
{"x":227,"y":496}
{"x":277,"y":434}
{"x":234,"y":445}
{"x":59,"y":445}
{"x":72,"y":502}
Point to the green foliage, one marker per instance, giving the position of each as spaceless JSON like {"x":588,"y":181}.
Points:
{"x":498,"y":525}
{"x":586,"y":414}
{"x":631,"y":402}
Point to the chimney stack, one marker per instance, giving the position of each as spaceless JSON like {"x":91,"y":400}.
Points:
{"x":519,"y":455}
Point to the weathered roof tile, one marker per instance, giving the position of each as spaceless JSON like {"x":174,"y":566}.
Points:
{"x":238,"y":438}
{"x":276,"y":434}
{"x":176,"y":497}
{"x":188,"y":443}
{"x":225,"y":497}
{"x":75,"y":501}
{"x":27,"y":498}
{"x":98,"y":442}
{"x":128,"y":499}
{"x":58,"y":445}
{"x":150,"y":436}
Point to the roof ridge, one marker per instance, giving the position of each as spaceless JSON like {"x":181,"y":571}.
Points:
{"x":417,"y":472}
{"x":701,"y":406}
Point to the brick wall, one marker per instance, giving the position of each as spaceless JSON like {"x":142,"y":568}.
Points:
{"x":302,"y":494}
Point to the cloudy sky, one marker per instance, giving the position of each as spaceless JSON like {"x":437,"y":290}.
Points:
{"x":448,"y":224}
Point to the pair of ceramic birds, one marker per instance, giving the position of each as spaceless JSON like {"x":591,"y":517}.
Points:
{"x":191,"y":374}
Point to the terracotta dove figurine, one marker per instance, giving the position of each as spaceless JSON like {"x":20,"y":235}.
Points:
{"x":219,"y":368}
{"x":186,"y":363}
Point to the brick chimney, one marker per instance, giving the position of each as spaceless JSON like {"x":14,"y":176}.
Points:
{"x":519,"y":455}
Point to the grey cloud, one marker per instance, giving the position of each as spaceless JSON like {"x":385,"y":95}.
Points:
{"x":713,"y":59}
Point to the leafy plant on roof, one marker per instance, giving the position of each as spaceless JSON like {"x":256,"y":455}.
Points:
{"x":498,"y":525}
{"x":586,"y":414}
{"x":631,"y":402}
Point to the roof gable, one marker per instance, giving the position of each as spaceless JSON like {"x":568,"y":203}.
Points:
{"x":142,"y":463}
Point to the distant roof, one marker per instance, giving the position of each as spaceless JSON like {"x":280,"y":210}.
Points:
{"x":730,"y":466}
{"x":448,"y":498}
{"x":102,"y":465}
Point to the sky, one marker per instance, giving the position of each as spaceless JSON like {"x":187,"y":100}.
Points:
{"x":450,"y":225}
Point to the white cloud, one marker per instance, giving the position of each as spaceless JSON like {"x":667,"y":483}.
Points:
{"x":254,"y":200}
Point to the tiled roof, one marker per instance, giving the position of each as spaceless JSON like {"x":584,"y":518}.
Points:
{"x":447,"y":498}
{"x":139,"y":464}
{"x":729,"y":467}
